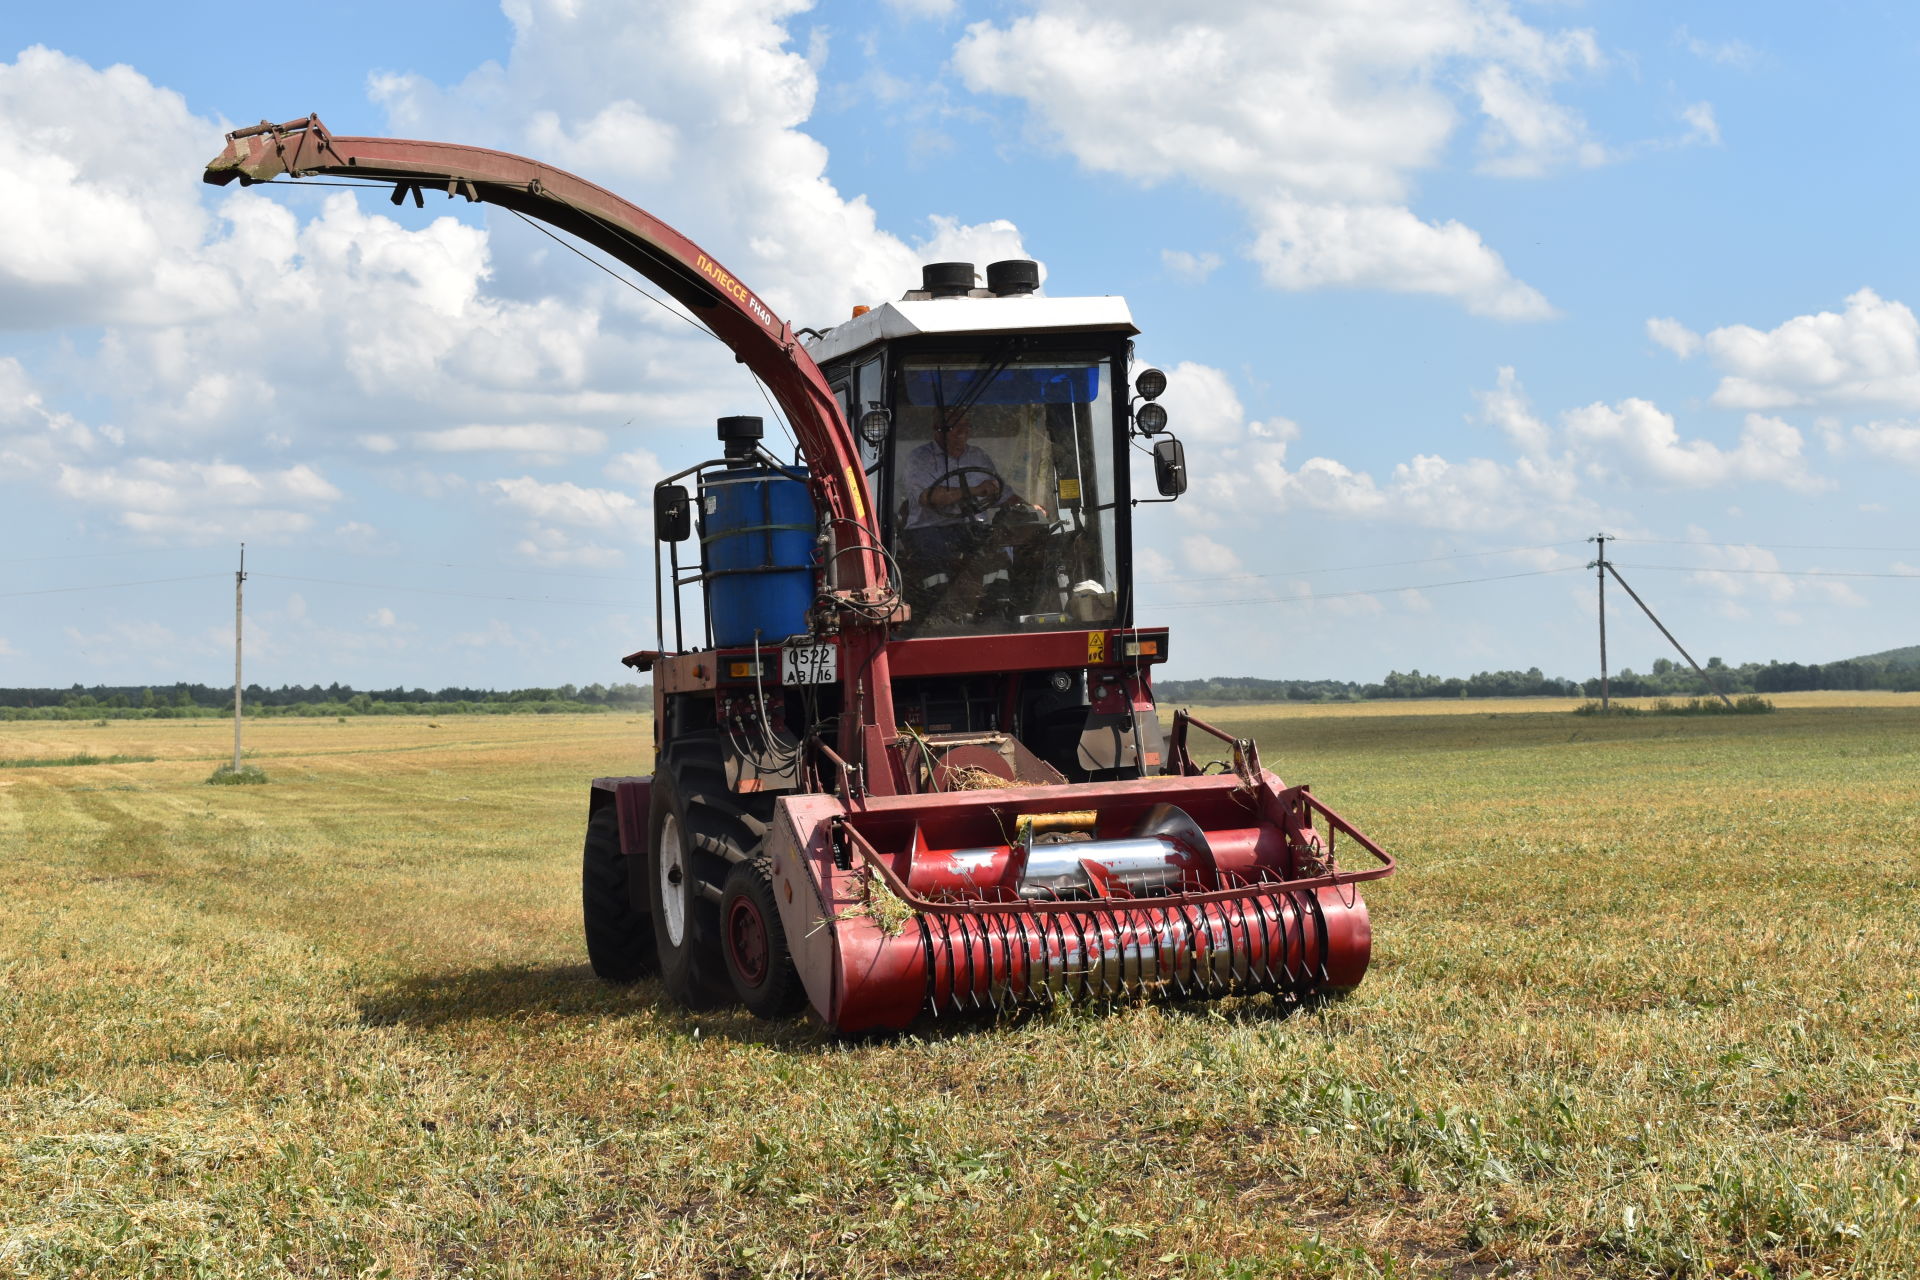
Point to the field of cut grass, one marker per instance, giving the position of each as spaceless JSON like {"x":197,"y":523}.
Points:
{"x":1643,"y":1003}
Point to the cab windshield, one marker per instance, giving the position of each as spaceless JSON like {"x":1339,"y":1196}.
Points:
{"x":1003,"y":493}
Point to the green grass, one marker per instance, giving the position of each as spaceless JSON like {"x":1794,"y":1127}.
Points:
{"x":232,"y":775}
{"x":1642,"y":1004}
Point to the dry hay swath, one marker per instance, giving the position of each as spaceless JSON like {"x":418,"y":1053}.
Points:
{"x":974,"y":778}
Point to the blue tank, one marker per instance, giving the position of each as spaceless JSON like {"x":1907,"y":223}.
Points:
{"x":757,"y":529}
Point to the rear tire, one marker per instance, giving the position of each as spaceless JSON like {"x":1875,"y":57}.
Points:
{"x":684,"y":852}
{"x":620,"y":944}
{"x":754,"y":943}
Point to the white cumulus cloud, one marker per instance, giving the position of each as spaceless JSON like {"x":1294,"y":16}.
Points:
{"x":100,"y":203}
{"x":199,"y":500}
{"x":1895,"y":441}
{"x":1867,"y":354}
{"x":1673,"y":335}
{"x":1507,"y":407}
{"x":1332,"y":111}
{"x":1191,"y":267}
{"x":545,"y":545}
{"x":717,"y":90}
{"x":537,"y":438}
{"x":564,"y":502}
{"x":1639,"y":438}
{"x":1307,"y":245}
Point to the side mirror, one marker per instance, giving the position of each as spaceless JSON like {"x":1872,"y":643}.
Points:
{"x":672,"y":513}
{"x":1170,"y":467}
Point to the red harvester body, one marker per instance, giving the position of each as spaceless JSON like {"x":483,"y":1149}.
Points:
{"x":913,"y":764}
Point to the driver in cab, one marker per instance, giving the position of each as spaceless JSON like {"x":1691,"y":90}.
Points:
{"x":946,"y":480}
{"x":949,"y":477}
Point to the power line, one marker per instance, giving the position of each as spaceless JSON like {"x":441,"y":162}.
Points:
{"x":96,"y":555}
{"x":674,"y":311}
{"x":431,"y":591}
{"x":501,"y":568}
{"x":1761,"y":546}
{"x":109,"y":586}
{"x":311,"y":551}
{"x":1603,"y":567}
{"x":1782,"y":573}
{"x":1341,"y":595}
{"x":779,"y":418}
{"x":584,"y":256}
{"x":580,"y":253}
{"x":1505,"y":577}
{"x":1355,"y":568}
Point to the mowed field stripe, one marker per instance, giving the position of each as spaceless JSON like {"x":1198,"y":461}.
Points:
{"x":1641,"y":1003}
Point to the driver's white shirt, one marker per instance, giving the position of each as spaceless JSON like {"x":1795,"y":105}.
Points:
{"x":926,"y":465}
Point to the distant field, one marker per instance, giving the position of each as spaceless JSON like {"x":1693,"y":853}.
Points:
{"x":1643,"y":1003}
{"x":1518,"y":706}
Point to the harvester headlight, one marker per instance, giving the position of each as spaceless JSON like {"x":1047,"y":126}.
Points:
{"x":1150,"y":384}
{"x":874,"y":424}
{"x":1150,"y":419}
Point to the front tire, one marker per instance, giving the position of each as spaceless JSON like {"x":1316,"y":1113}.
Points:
{"x":754,"y":943}
{"x":620,"y":944}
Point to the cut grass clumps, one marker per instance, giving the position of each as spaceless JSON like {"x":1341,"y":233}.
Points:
{"x":228,"y":776}
{"x":1747,"y":704}
{"x":62,"y":762}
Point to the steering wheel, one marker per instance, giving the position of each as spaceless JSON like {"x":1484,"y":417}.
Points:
{"x":967,"y":500}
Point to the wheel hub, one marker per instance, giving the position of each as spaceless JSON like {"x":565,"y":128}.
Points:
{"x":673,"y":875}
{"x":747,"y":940}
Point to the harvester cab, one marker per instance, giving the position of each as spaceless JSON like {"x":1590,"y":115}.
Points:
{"x":908,"y":758}
{"x":993,"y":433}
{"x":990,"y":428}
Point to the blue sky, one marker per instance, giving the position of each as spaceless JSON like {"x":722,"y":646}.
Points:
{"x":1442,"y":289}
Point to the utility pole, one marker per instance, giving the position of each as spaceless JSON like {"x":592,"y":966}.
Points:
{"x":239,"y":578}
{"x":1697,"y":668}
{"x":1599,"y":568}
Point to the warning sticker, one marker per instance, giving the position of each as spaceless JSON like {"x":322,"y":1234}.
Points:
{"x":853,"y":487}
{"x":1096,"y":647}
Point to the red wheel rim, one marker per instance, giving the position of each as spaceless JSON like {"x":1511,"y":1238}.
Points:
{"x":747,"y":940}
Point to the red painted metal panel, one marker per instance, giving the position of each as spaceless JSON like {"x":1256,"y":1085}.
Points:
{"x":634,"y":800}
{"x":873,"y":953}
{"x":968,"y":655}
{"x":685,"y":672}
{"x":802,"y":867}
{"x":1026,"y":651}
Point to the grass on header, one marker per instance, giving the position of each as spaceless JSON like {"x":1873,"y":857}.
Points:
{"x":1642,"y":1004}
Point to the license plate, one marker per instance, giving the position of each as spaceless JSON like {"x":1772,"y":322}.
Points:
{"x":810,"y":664}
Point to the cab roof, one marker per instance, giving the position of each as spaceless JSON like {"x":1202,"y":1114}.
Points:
{"x":912,"y":317}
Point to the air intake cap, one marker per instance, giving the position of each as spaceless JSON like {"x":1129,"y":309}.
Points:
{"x":1013,"y":277}
{"x":947,"y":279}
{"x":739,"y":435}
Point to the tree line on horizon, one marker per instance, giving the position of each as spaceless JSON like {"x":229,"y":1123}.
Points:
{"x":1896,"y":671}
{"x":1668,"y":679}
{"x":187,"y":701}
